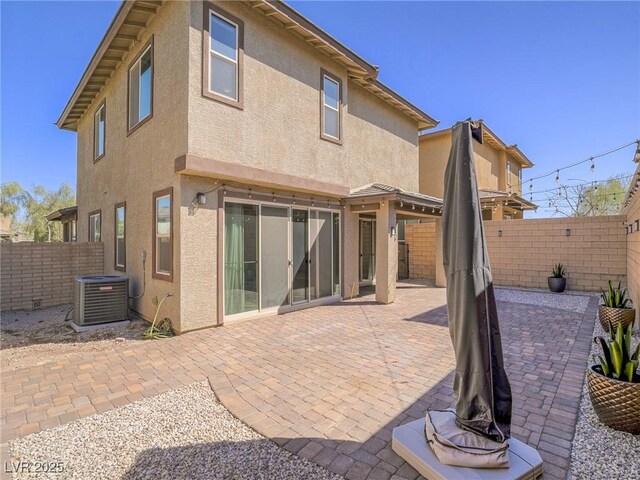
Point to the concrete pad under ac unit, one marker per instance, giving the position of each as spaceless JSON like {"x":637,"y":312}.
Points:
{"x":410,"y":443}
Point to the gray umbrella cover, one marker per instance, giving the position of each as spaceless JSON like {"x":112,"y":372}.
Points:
{"x":481,"y":384}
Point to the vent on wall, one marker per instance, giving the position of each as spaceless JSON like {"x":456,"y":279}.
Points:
{"x":100,"y":299}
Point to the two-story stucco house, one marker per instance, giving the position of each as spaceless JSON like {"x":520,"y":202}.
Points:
{"x":233,"y":155}
{"x":499,"y":169}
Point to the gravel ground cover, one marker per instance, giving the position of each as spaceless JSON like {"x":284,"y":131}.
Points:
{"x":599,"y":451}
{"x":182,"y":434}
{"x":564,"y":301}
{"x":30,"y":338}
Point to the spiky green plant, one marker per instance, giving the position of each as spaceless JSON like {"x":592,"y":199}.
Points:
{"x":615,"y":297}
{"x":616,"y":360}
{"x":558,"y":271}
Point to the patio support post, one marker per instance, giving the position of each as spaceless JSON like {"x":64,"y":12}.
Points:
{"x":386,"y":253}
{"x":350,"y":254}
{"x":441,"y":279}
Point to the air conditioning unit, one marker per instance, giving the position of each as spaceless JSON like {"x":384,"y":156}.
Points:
{"x":100,"y":299}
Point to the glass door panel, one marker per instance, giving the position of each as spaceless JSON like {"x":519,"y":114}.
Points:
{"x":367,"y":250}
{"x":336,"y":254}
{"x":240,"y":258}
{"x":324,"y":260}
{"x":274,"y":256}
{"x":300,"y":255}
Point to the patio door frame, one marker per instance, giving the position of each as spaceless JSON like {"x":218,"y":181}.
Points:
{"x":291,"y":305}
{"x":361,"y":280}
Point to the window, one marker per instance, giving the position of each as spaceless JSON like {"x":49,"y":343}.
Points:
{"x":94,"y":226}
{"x":141,"y":88}
{"x":508,"y":172}
{"x":120,"y":252}
{"x":331,"y":105}
{"x":99,"y":120}
{"x":162,"y":245}
{"x":223,"y":56}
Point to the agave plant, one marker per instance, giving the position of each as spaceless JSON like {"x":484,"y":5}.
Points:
{"x":558,"y":271}
{"x":615,"y":297}
{"x":617,"y":361}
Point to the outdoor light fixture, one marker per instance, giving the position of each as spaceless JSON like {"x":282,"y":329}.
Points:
{"x":636,"y":157}
{"x":224,"y":190}
{"x":568,"y":232}
{"x":201,"y":198}
{"x":393,"y":231}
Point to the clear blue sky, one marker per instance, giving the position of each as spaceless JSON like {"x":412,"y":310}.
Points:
{"x":562,"y":80}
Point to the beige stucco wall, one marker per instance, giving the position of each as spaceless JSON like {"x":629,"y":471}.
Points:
{"x":490,"y":166}
{"x":135,"y":166}
{"x":523,"y":256}
{"x":279,"y":127}
{"x":633,"y":250}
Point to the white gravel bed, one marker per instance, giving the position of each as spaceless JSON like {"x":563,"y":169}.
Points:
{"x":599,"y":451}
{"x":182,"y":434}
{"x":563,"y":301}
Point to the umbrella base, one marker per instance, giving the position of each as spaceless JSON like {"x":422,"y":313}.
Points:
{"x":410,"y":443}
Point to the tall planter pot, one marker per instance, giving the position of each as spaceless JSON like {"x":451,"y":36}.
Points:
{"x":617,"y":403}
{"x":557,"y":284}
{"x":614,"y":316}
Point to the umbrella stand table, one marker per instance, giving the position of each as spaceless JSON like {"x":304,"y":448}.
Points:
{"x":477,"y":434}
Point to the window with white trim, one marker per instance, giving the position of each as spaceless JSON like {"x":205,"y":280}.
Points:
{"x":94,"y":227}
{"x":162,"y":251}
{"x":508,"y":173}
{"x":223,"y":56}
{"x":331,"y":97}
{"x":120,"y":233}
{"x":99,"y":120}
{"x":141,"y":88}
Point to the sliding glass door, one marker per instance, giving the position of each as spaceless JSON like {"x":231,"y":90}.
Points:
{"x":300,"y":255}
{"x":240,"y":258}
{"x":274,"y":256}
{"x":277,"y":256}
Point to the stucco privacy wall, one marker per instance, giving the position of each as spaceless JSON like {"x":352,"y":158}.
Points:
{"x":137,"y":164}
{"x":38,"y":275}
{"x":421,"y":238}
{"x":633,"y":249}
{"x":278,"y":128}
{"x":526,"y":250}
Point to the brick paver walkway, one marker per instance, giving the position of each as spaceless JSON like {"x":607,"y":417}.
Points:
{"x":328,"y":383}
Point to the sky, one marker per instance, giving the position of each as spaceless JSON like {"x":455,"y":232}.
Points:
{"x":559,"y":79}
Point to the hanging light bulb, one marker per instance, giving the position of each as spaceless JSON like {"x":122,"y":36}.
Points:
{"x":294,"y":200}
{"x":531,"y":185}
{"x":224,"y":190}
{"x":557,"y":176}
{"x":413,"y":207}
{"x":636,"y":157}
{"x":401,"y":204}
{"x":593,"y":166}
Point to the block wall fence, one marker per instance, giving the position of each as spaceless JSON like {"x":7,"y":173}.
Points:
{"x":523,"y":252}
{"x":39,"y":275}
{"x":633,"y":248}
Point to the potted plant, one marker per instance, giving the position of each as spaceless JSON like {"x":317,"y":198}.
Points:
{"x":615,"y":308}
{"x":557,"y":281}
{"x":614,"y":384}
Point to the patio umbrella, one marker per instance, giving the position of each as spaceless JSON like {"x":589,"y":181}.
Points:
{"x":481,"y":385}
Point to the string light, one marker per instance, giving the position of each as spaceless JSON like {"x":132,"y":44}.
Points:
{"x":636,"y":157}
{"x":250,"y":196}
{"x":557,"y":176}
{"x":593,"y":166}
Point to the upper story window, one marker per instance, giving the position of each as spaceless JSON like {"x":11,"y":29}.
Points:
{"x":141,"y":88}
{"x":163,"y":241}
{"x":94,"y":226}
{"x":223,"y":56}
{"x":99,"y":123}
{"x":508,"y":172}
{"x":120,"y":260}
{"x":331,"y":108}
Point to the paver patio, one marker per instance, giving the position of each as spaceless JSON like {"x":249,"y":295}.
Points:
{"x":329,"y":383}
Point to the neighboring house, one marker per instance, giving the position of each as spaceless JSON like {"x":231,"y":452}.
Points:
{"x":67,"y":217}
{"x":230,"y":149}
{"x":498,"y":166}
{"x":10,"y":234}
